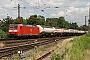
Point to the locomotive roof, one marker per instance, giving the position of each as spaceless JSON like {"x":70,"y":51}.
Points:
{"x":30,"y":25}
{"x":46,"y":26}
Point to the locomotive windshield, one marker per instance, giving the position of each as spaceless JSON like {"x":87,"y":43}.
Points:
{"x":13,"y":26}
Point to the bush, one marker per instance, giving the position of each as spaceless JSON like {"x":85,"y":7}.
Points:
{"x":55,"y":57}
{"x":3,"y":34}
{"x":79,"y":46}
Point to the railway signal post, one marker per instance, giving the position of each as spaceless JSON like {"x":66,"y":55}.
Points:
{"x":19,"y":52}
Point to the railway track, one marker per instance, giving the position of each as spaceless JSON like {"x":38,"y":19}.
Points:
{"x":47,"y":54}
{"x":9,"y":42}
{"x":8,"y":51}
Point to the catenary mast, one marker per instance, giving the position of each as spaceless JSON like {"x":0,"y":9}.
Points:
{"x":18,"y":13}
{"x":89,"y":20}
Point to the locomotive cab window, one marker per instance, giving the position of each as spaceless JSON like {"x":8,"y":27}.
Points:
{"x":13,"y":26}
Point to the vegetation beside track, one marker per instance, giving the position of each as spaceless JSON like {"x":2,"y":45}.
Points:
{"x":80,"y":48}
{"x":3,"y":34}
{"x":76,"y":49}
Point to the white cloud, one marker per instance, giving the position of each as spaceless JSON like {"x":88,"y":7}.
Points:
{"x":77,"y":15}
{"x":52,"y":3}
{"x":88,"y":3}
{"x":61,"y":13}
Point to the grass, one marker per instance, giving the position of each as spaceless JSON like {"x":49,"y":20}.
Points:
{"x":56,"y":56}
{"x":14,"y":57}
{"x":62,"y":50}
{"x":79,"y":47}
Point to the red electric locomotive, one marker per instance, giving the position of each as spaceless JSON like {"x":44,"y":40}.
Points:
{"x":23,"y":31}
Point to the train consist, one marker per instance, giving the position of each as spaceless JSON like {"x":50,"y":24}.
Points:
{"x":24,"y":31}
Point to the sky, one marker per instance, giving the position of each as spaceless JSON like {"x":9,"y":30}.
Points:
{"x":71,"y":10}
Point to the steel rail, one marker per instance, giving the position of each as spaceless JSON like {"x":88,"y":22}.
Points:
{"x":4,"y":52}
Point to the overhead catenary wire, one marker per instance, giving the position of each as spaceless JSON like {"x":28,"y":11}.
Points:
{"x":43,"y":2}
{"x":38,"y":6}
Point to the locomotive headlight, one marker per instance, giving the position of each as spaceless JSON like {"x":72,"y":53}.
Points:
{"x":15,"y":30}
{"x":10,"y":30}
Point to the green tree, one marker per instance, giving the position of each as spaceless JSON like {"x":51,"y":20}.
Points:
{"x":73,"y":25}
{"x":61,"y":22}
{"x":83,"y":27}
{"x":5,"y":23}
{"x":34,"y":20}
